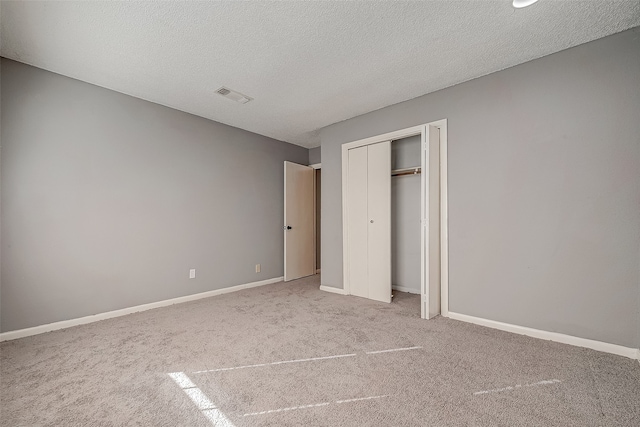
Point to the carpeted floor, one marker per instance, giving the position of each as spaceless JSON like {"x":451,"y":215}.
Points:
{"x":289,"y":354}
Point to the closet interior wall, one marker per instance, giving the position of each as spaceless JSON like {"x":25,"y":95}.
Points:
{"x":405,"y":216}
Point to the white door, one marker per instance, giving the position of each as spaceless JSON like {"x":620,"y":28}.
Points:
{"x":299,"y":250}
{"x":358,"y":222}
{"x":369,"y":221}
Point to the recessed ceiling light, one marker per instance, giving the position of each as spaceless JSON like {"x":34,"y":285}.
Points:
{"x":233,"y":95}
{"x":519,"y":4}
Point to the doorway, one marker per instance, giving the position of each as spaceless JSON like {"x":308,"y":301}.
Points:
{"x":405,"y":215}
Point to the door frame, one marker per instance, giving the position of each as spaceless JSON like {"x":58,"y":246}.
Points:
{"x":315,"y":166}
{"x":421,"y":130}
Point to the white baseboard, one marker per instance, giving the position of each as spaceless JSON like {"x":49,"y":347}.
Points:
{"x":632,"y":353}
{"x":405,"y":289}
{"x":332,"y":290}
{"x":20,"y":333}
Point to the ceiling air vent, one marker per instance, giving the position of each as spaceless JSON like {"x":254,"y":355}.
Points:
{"x":233,"y":95}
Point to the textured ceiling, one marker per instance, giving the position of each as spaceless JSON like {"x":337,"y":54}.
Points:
{"x":307,"y":64}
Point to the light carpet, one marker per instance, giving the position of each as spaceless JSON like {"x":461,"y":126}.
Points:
{"x":289,"y":354}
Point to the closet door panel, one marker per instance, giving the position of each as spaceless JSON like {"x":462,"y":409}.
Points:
{"x":379,"y":224}
{"x":434,"y":221}
{"x":357,"y":222}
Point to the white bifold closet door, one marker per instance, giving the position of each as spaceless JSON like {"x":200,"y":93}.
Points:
{"x":369,"y":221}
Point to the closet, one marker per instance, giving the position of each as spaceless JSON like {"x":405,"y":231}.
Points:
{"x":384,"y":218}
{"x":405,"y":214}
{"x":394,"y":216}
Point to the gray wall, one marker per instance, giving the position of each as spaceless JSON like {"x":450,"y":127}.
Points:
{"x":405,"y":216}
{"x":109,"y":200}
{"x":544,"y":190}
{"x":314,"y":155}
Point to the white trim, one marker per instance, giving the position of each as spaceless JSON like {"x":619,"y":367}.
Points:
{"x":405,"y":289}
{"x":444,"y":218}
{"x":424,"y":222}
{"x":284,"y":218}
{"x":21,"y":333}
{"x":345,"y":216}
{"x":316,"y":166}
{"x":333,"y":290}
{"x":398,"y":134}
{"x":631,"y":353}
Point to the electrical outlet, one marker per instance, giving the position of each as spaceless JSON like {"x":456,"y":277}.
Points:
{"x":257,"y":268}
{"x":192,"y":273}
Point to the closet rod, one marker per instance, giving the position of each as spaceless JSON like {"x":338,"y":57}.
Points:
{"x":406,"y":171}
